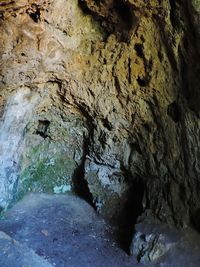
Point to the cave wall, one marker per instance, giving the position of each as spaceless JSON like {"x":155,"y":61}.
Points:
{"x":104,"y":95}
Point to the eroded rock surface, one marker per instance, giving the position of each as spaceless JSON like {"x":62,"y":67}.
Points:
{"x":157,"y":244}
{"x":109,"y":102}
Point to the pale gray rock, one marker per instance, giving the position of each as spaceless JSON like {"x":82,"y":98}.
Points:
{"x":14,"y":254}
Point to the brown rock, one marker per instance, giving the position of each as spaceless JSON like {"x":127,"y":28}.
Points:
{"x":130,"y":72}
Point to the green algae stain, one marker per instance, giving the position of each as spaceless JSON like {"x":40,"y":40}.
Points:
{"x":196,"y":4}
{"x":46,"y":168}
{"x":53,"y":149}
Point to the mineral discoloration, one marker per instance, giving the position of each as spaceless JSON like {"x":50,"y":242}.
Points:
{"x":129,"y":71}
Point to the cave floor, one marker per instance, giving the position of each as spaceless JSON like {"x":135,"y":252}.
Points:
{"x":63,"y":230}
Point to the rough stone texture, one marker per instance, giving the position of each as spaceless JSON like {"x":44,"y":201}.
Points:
{"x":158,"y":245}
{"x":153,"y":240}
{"x":75,"y":237}
{"x":54,"y":144}
{"x":41,"y":146}
{"x":65,"y":231}
{"x":129,"y":71}
{"x":15,"y":254}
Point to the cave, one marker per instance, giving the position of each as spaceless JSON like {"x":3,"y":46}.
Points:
{"x":99,"y":133}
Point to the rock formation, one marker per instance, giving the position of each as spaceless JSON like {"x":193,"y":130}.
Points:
{"x":102,"y":98}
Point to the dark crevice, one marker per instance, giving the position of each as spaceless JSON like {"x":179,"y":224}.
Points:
{"x":1,"y":211}
{"x":83,"y":5}
{"x":130,"y":212}
{"x":5,"y":3}
{"x":129,"y":71}
{"x":135,"y":148}
{"x":117,"y":86}
{"x":184,"y":74}
{"x":174,"y":14}
{"x":2,"y":106}
{"x":34,"y":14}
{"x":124,"y":12}
{"x":195,"y":219}
{"x":148,"y":64}
{"x":174,"y":112}
{"x":80,"y":184}
{"x":190,"y":58}
{"x":42,"y":128}
{"x":160,"y":56}
{"x":120,"y":20}
{"x":142,"y":82}
{"x":139,"y":50}
{"x":107,"y":124}
{"x":127,"y":21}
{"x":148,"y":69}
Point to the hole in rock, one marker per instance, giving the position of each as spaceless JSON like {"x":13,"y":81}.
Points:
{"x":174,"y":112}
{"x":127,"y":21}
{"x":139,"y":50}
{"x":124,"y":12}
{"x":107,"y":124}
{"x":35,"y":16}
{"x":42,"y":128}
{"x":142,"y":82}
{"x":83,"y":5}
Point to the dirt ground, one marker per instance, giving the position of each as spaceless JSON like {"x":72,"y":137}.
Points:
{"x":64,"y":230}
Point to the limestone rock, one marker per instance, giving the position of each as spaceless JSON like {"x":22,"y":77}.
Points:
{"x":128,"y":71}
{"x":157,"y":244}
{"x":152,"y":241}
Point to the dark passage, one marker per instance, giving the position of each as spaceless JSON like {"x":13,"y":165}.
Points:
{"x":130,"y":212}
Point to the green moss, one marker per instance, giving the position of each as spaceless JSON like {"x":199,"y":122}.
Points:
{"x":44,"y":168}
{"x":48,"y":163}
{"x":196,"y":4}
